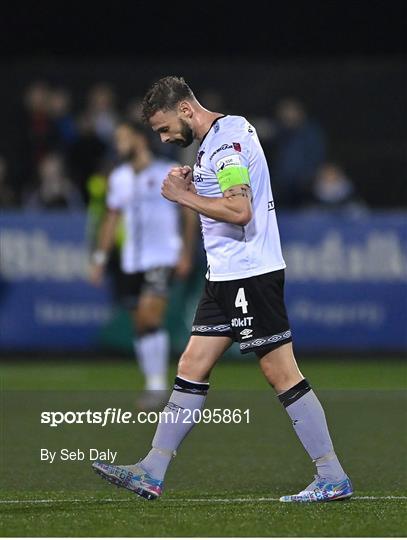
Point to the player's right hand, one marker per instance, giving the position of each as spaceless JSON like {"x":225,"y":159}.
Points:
{"x":96,"y":274}
{"x":184,"y":172}
{"x":187,"y":172}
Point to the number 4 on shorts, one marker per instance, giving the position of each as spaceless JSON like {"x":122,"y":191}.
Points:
{"x":241,"y":301}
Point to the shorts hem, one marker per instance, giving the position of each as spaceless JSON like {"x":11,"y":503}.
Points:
{"x":267,"y":342}
{"x":213,"y":334}
{"x":267,"y":348}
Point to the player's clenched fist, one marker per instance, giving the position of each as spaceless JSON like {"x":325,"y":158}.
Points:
{"x":179,"y":179}
{"x":183,"y":172}
{"x":173,"y":187}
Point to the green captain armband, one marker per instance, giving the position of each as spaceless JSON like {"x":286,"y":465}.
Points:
{"x":230,"y":172}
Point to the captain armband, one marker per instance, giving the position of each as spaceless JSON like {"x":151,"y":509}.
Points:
{"x":230,"y":172}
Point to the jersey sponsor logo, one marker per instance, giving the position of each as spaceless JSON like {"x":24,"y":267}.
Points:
{"x":199,"y":158}
{"x":216,"y":127}
{"x":241,"y":321}
{"x":237,"y":147}
{"x":223,"y":147}
{"x":250,"y":128}
{"x":246,"y":333}
{"x":198,"y":178}
{"x":270,"y":205}
{"x":228,"y":161}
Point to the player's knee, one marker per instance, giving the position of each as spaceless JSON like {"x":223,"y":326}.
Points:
{"x":279,"y":375}
{"x":281,"y":381}
{"x":149,"y":327}
{"x":145,"y":321}
{"x":189,"y":368}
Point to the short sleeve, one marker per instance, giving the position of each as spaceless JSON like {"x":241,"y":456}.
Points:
{"x":231,"y":165}
{"x":115,"y":199}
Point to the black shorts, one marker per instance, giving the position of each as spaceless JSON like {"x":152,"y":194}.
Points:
{"x":251,"y":311}
{"x":156,"y":282}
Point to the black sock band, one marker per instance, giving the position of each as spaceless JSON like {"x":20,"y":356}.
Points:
{"x":296,"y":392}
{"x":188,"y":387}
{"x":148,"y":331}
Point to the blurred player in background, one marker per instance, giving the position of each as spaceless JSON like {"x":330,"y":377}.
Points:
{"x":243,"y":299}
{"x":154,"y":249}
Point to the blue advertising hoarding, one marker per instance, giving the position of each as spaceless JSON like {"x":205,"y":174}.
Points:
{"x":346,"y":283}
{"x":45,"y":299}
{"x":346,"y":280}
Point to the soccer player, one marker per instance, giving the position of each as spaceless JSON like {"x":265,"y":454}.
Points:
{"x":154,"y":249}
{"x":243,"y":297}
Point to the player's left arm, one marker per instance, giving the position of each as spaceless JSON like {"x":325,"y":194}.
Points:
{"x":234,"y":207}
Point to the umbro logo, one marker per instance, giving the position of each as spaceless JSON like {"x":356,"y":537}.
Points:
{"x":246,"y":333}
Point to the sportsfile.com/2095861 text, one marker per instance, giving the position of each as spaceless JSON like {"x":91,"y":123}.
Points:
{"x":111,"y":415}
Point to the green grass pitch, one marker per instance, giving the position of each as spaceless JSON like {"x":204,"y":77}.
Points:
{"x":226,"y":479}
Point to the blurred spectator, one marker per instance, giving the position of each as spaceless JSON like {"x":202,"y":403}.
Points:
{"x":333,"y":190}
{"x":7,"y":197}
{"x":102,"y":113}
{"x":213,"y":100}
{"x":65,"y":130}
{"x":299,"y":149}
{"x":134,"y":111}
{"x":55,"y":190}
{"x":35,"y":131}
{"x":87,"y":156}
{"x":93,"y":148}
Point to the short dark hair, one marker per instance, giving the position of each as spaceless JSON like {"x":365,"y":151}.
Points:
{"x":164,"y":95}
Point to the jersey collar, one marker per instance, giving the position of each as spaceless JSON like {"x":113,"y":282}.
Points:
{"x":211,"y":126}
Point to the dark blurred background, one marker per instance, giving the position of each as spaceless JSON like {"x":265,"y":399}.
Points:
{"x":323,"y":82}
{"x":69,"y":74}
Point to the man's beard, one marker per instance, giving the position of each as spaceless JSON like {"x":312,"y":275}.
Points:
{"x":187,"y":135}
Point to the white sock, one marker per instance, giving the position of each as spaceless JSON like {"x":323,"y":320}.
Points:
{"x":309,"y":422}
{"x":186,"y":398}
{"x":152,"y":351}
